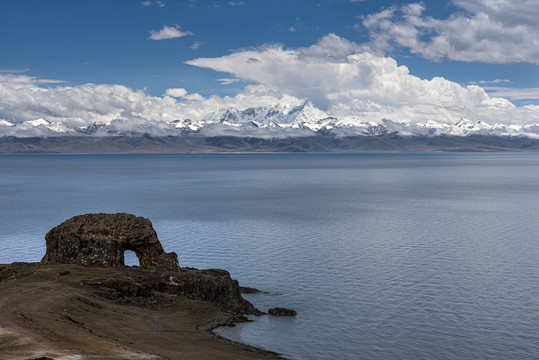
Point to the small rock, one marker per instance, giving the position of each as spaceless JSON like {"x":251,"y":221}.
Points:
{"x":282,"y":312}
{"x":64,"y":273}
{"x":250,"y":290}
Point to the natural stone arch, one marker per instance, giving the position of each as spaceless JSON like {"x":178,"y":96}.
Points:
{"x":101,"y":240}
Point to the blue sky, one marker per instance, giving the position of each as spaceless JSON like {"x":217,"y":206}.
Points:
{"x":491,"y":43}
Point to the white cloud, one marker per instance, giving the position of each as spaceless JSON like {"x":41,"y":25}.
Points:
{"x":176,"y":92}
{"x":146,"y":3}
{"x":236,"y":3}
{"x":493,"y":31}
{"x":292,"y":29}
{"x":194,"y":97}
{"x":23,"y":99}
{"x":337,"y":75}
{"x":311,"y":72}
{"x":168,"y":32}
{"x":182,"y":93}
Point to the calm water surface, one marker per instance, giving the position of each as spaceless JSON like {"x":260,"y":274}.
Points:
{"x":384,"y":256}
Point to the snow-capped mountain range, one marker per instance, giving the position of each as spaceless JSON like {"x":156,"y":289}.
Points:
{"x":281,"y":120}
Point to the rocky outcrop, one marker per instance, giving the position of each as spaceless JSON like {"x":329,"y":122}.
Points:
{"x":282,"y":312}
{"x":102,"y":239}
{"x":134,"y":286}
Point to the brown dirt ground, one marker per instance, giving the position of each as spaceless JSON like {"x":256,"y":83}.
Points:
{"x":47,"y":315}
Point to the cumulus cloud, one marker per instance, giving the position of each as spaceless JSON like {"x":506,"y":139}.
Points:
{"x":176,"y":92}
{"x":339,"y":76}
{"x":182,"y":93}
{"x":23,"y":99}
{"x":312,"y":72}
{"x":168,"y":32}
{"x":493,"y":31}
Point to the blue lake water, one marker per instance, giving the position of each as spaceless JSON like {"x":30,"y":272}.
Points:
{"x":384,"y":256}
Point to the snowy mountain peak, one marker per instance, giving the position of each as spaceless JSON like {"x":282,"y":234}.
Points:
{"x":59,"y":127}
{"x":279,"y":114}
{"x":37,"y":122}
{"x":5,"y":123}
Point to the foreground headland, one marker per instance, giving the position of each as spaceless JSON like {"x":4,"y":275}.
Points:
{"x":73,"y":306}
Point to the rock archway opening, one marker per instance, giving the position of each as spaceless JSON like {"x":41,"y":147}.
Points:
{"x":103,"y":240}
{"x":130,"y":258}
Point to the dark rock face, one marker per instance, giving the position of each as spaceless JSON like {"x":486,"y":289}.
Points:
{"x":282,"y":312}
{"x":102,"y":239}
{"x":135,"y":286}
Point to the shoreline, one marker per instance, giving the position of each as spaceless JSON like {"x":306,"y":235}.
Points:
{"x":208,"y":330}
{"x":67,"y":311}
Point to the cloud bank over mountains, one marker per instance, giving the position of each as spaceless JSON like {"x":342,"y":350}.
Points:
{"x":344,"y":79}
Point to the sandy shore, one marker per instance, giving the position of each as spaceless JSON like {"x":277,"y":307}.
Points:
{"x":50,"y":312}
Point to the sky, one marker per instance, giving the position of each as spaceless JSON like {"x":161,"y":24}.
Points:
{"x":78,"y":61}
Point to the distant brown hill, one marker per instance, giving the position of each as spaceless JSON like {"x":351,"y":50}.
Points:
{"x":228,"y":144}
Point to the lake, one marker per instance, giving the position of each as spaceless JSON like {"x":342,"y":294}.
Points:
{"x":383,"y":256}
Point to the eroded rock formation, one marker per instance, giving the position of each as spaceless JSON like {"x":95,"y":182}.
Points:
{"x":102,"y":239}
